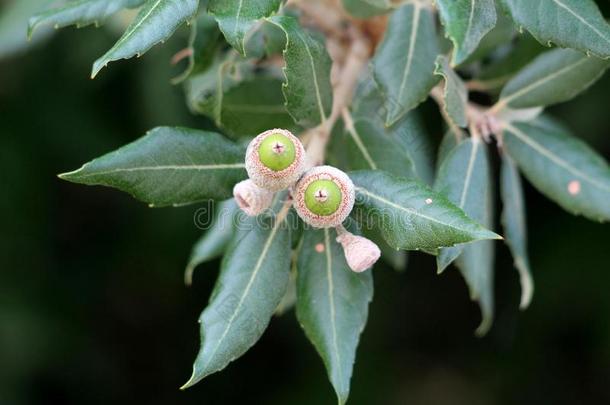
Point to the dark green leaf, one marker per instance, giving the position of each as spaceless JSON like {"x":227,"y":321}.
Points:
{"x":553,"y":77}
{"x":455,"y":95}
{"x":497,"y":73}
{"x":240,"y":98}
{"x":169,"y":166}
{"x":375,"y":147}
{"x":463,"y":179}
{"x":466,"y":23}
{"x":216,"y":238}
{"x":410,"y":215}
{"x":562,"y":167}
{"x":449,"y":141}
{"x":406,"y":140}
{"x":237,"y":17}
{"x":307,"y":87}
{"x":80,"y":13}
{"x":574,"y":24}
{"x":476,"y":263}
{"x":495,"y":41}
{"x":515,"y":227}
{"x":156,"y":21}
{"x":332,"y":305}
{"x":253,"y":279}
{"x":404,"y":62}
{"x":265,"y":40}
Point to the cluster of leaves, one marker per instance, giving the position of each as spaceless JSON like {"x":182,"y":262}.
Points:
{"x":405,"y":199}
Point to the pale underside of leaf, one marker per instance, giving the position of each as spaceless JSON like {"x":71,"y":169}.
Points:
{"x":552,"y":77}
{"x":447,"y":255}
{"x":514,"y":223}
{"x":455,"y":95}
{"x":562,"y":167}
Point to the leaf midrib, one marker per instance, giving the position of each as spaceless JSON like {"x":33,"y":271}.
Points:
{"x":470,"y":20}
{"x":469,"y":170}
{"x":135,"y":27}
{"x":315,"y":77}
{"x":412,"y":40}
{"x":157,"y":168}
{"x":358,"y":141}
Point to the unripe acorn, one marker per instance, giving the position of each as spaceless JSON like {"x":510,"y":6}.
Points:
{"x":324,"y":197}
{"x":275,"y":159}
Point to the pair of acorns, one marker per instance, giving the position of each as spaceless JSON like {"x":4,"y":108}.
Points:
{"x":323,"y":196}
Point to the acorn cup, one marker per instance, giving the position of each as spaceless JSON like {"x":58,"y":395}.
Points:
{"x":275,"y":159}
{"x":252,"y":199}
{"x":360,"y":252}
{"x":324,"y":197}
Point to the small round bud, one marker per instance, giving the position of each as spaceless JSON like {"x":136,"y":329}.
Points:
{"x":275,"y":159}
{"x":252,"y":199}
{"x":324,"y":197}
{"x":360,"y":253}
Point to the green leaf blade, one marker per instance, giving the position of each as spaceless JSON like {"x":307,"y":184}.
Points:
{"x":455,"y":95}
{"x":236,"y":18}
{"x":253,"y":279}
{"x":80,"y":13}
{"x":562,"y":167}
{"x":404,"y":62}
{"x":307,"y":88}
{"x":464,"y":177}
{"x":332,"y":305}
{"x":156,"y":21}
{"x":466,"y":23}
{"x":215,"y":240}
{"x":377,"y":148}
{"x":515,"y":226}
{"x":372,"y":143}
{"x":553,"y":77}
{"x":576,"y":24}
{"x":410,"y":215}
{"x":169,"y":166}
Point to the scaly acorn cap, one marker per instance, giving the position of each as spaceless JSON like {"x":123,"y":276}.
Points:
{"x":360,"y":253}
{"x":252,"y":199}
{"x":324,"y":197}
{"x":275,"y":159}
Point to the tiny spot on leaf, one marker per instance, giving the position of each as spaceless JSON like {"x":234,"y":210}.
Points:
{"x":428,"y":201}
{"x":320,"y":248}
{"x":574,"y":187}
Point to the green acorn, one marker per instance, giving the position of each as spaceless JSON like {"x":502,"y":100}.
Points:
{"x":324,"y":197}
{"x":275,"y":159}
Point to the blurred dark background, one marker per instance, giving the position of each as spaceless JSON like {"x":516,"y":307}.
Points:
{"x":93,"y":308}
